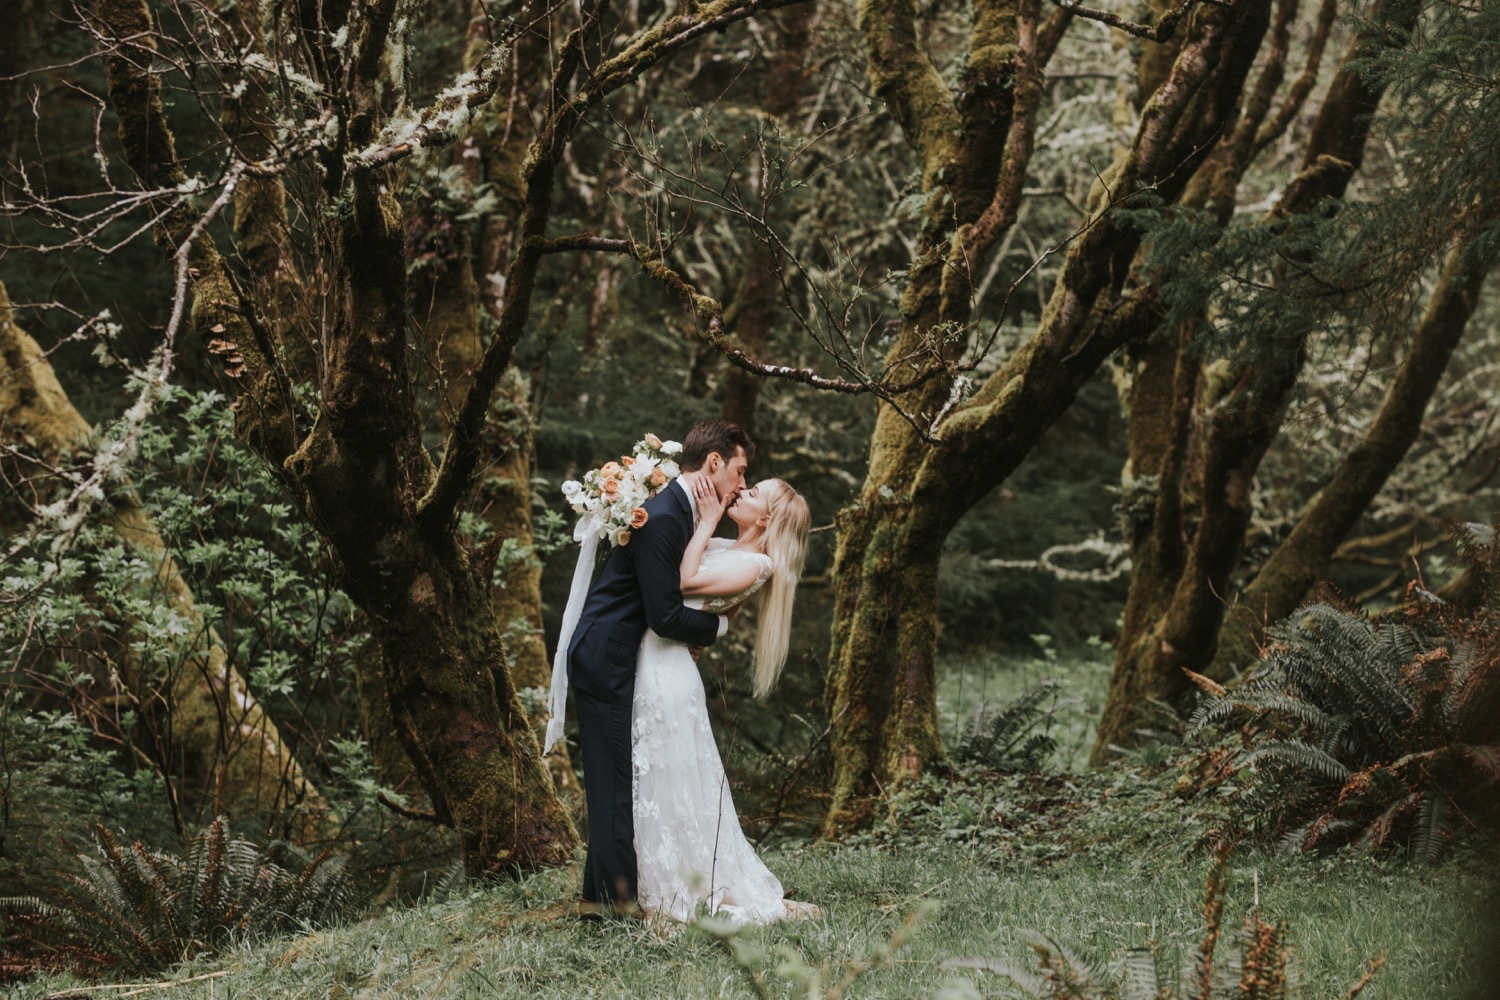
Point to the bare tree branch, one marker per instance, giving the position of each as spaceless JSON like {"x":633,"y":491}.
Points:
{"x":1164,"y":28}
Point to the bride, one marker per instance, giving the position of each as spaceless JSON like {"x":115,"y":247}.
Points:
{"x":689,"y":846}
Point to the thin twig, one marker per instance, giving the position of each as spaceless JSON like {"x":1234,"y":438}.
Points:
{"x":134,"y":988}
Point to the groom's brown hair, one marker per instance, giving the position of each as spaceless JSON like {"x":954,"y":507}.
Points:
{"x":708,"y":436}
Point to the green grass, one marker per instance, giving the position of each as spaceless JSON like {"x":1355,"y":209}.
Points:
{"x":507,"y":941}
{"x":1101,"y":862}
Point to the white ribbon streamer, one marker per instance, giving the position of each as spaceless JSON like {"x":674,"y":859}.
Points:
{"x":586,"y":533}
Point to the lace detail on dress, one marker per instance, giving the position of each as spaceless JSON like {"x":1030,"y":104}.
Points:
{"x":722,"y":550}
{"x":690,"y":850}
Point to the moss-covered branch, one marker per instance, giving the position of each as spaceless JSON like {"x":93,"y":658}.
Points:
{"x":126,"y":36}
{"x":461,"y":448}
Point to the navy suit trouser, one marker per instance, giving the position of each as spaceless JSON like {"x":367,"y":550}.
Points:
{"x":609,"y":868}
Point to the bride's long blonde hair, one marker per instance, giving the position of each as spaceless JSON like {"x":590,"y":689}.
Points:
{"x":787,"y":524}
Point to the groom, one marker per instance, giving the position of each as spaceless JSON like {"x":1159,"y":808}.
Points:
{"x":639,"y":588}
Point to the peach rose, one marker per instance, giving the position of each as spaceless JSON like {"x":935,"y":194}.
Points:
{"x":609,"y":486}
{"x":638,"y":517}
{"x":627,"y":461}
{"x":658,"y":478}
{"x":609,"y":469}
{"x":653,"y":442}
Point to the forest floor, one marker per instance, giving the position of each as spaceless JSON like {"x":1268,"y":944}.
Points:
{"x":897,"y":914}
{"x":1109,"y":864}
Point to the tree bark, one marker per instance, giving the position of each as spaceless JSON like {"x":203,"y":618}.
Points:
{"x":881,"y":681}
{"x":1213,"y":436}
{"x":213,"y":734}
{"x":1306,"y":555}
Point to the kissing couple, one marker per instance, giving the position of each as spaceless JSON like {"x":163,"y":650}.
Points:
{"x":664,"y":838}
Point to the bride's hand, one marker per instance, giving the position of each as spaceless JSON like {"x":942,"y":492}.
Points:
{"x":711,"y":506}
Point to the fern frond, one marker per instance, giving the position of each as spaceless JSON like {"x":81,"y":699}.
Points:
{"x":1140,"y":979}
{"x":1262,"y":971}
{"x":1299,"y":755}
{"x":1022,"y":977}
{"x":448,"y":884}
{"x":1067,"y":975}
{"x":146,"y":909}
{"x":207,"y":862}
{"x":1003,"y":737}
{"x":1431,"y":827}
{"x":1378,"y":833}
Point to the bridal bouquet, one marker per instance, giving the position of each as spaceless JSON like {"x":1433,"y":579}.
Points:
{"x":609,"y":498}
{"x":608,"y":503}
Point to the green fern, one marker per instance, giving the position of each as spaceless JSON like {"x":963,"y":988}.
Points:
{"x":1369,"y":732}
{"x":1007,"y":737}
{"x":142,"y":909}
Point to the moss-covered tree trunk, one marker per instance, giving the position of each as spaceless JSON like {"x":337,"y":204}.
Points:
{"x":361,"y":472}
{"x":212,"y":733}
{"x":1197,"y":441}
{"x":1305,"y":556}
{"x":881,"y":682}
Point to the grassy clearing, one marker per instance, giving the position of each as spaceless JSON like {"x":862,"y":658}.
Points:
{"x":1101,"y":862}
{"x":510,"y":941}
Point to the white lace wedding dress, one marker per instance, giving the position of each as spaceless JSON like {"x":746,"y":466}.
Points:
{"x":690,"y":850}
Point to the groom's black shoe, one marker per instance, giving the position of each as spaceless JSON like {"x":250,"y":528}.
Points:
{"x":589,"y":911}
{"x":592,"y":912}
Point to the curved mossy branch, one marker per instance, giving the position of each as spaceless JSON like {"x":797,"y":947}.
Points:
{"x":1092,"y":263}
{"x":127,"y":38}
{"x":274,"y":300}
{"x":1023,"y":90}
{"x":461,"y":450}
{"x":1162,"y":31}
{"x":905,"y":78}
{"x":1302,"y":87}
{"x":1217,"y":182}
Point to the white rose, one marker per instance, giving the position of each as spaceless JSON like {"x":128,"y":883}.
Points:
{"x":571,"y":487}
{"x":670,"y":469}
{"x":670,"y":448}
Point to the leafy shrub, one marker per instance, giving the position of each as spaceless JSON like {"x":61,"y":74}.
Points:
{"x":143,"y":909}
{"x":1371,"y":732}
{"x":97,"y":653}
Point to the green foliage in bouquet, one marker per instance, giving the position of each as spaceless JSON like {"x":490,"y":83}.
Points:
{"x":1371,"y":732}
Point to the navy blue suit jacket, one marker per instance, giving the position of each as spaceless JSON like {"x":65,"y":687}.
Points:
{"x":640,"y":587}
